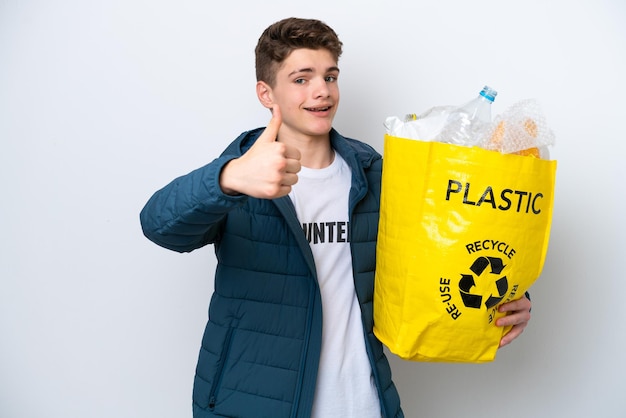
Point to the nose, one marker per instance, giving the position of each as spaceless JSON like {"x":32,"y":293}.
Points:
{"x":321,"y":88}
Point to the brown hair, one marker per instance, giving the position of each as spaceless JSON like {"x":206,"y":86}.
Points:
{"x":282,"y":37}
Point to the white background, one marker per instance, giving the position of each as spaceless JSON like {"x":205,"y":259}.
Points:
{"x":102,"y":103}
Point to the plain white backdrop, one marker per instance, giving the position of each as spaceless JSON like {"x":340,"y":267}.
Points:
{"x":102,"y":103}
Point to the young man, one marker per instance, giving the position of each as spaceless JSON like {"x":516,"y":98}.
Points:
{"x":292,"y":210}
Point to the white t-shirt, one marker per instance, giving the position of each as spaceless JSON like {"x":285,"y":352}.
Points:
{"x":345,"y":383}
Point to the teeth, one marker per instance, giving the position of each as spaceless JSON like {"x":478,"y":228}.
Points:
{"x":318,"y":109}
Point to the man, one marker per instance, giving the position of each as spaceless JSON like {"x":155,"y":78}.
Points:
{"x":292,"y":211}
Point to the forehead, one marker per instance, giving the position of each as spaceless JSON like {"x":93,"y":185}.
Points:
{"x":316,"y":60}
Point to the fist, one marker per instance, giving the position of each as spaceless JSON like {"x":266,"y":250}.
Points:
{"x":267,"y":170}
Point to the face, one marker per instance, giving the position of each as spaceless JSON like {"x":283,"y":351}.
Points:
{"x":306,"y":91}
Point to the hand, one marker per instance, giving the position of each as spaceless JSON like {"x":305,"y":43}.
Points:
{"x":518,"y":315}
{"x":267,"y":170}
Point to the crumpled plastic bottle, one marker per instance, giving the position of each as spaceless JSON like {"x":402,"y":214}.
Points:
{"x":468,"y":124}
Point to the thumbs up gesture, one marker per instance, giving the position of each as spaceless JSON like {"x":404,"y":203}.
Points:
{"x":267,"y":170}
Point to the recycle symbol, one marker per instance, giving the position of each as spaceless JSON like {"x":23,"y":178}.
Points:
{"x":468,"y":281}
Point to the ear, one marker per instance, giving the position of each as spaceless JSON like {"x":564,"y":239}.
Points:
{"x":264,"y":93}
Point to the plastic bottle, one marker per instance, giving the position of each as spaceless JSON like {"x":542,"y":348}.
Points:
{"x":467,"y":124}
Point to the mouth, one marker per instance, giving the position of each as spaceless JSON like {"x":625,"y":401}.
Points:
{"x":318,"y":109}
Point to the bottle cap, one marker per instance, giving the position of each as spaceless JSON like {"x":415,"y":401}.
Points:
{"x":489,"y":93}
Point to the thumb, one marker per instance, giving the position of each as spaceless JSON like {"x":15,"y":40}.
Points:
{"x":271,"y":130}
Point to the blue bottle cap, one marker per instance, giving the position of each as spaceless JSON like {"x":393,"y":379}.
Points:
{"x":489,"y":93}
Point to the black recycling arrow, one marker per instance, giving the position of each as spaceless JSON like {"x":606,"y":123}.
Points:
{"x":503,"y":285}
{"x":465,"y":284}
{"x":481,"y":264}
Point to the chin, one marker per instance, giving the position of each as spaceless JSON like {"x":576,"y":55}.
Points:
{"x":318,"y":132}
{"x":320,"y":128}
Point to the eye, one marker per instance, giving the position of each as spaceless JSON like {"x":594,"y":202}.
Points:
{"x":299,"y":81}
{"x":331,"y":78}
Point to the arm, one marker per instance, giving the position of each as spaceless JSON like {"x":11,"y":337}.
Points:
{"x":187,"y":213}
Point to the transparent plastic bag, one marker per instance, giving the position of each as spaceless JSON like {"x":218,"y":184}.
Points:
{"x":424,"y":127}
{"x":522,"y":129}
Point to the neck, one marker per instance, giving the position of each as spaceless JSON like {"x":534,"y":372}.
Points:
{"x":315,"y":152}
{"x":317,"y":156}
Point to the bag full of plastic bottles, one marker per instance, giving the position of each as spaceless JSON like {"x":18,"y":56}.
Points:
{"x":466,"y":210}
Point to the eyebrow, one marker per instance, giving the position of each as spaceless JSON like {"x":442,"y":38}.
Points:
{"x":310,"y":70}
